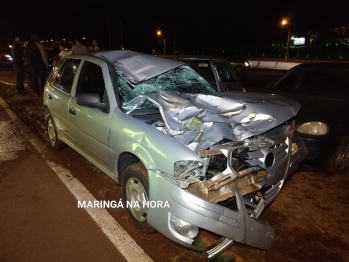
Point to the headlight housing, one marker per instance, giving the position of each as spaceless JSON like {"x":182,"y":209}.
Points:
{"x":185,"y":168}
{"x":313,"y":128}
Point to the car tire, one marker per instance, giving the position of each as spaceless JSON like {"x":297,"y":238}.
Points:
{"x":339,"y":161}
{"x":52,"y":134}
{"x":135,"y":188}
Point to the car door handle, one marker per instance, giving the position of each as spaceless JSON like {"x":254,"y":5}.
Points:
{"x":72,"y":110}
{"x":49,"y":96}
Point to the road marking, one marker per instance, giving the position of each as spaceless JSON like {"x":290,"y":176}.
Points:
{"x":111,"y":228}
{"x":7,"y":83}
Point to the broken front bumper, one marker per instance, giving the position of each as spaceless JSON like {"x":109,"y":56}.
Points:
{"x":188,"y":213}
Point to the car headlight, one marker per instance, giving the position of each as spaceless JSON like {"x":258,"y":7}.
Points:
{"x":247,"y":64}
{"x":313,"y":128}
{"x":185,"y":168}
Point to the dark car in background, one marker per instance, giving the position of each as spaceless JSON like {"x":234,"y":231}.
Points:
{"x":5,"y":57}
{"x":217,"y":71}
{"x":323,"y":121}
{"x":237,"y":62}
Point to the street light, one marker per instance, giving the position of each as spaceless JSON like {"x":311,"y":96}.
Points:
{"x":286,"y":22}
{"x":159,"y":33}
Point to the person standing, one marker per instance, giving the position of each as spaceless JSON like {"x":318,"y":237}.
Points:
{"x":95,"y":45}
{"x":18,"y":64}
{"x":79,"y":48}
{"x":38,"y":62}
{"x":63,"y":52}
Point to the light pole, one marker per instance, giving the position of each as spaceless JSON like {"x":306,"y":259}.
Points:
{"x":286,"y":22}
{"x":159,"y":33}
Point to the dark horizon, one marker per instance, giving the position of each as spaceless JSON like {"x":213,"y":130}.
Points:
{"x":190,"y":24}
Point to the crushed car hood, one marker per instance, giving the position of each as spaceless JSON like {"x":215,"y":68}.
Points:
{"x":201,"y":120}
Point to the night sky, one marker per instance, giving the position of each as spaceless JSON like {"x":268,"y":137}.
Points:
{"x":190,"y":23}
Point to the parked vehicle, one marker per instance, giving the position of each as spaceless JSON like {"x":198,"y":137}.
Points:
{"x":161,"y":131}
{"x":4,"y":57}
{"x":238,"y":63}
{"x":323,"y":122}
{"x":217,"y":71}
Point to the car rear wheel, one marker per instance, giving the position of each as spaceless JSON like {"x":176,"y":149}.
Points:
{"x":52,"y":134}
{"x":339,"y":162}
{"x":135,"y":191}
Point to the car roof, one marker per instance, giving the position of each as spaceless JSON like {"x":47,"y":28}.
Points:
{"x":200,"y":57}
{"x":138,"y":66}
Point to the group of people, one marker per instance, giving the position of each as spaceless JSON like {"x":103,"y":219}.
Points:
{"x":33,"y":58}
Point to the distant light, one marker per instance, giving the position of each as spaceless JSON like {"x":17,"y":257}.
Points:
{"x":83,"y":38}
{"x":292,"y":37}
{"x":284,"y":22}
{"x":46,"y":40}
{"x":158,"y":32}
{"x":51,"y":39}
{"x":10,"y":46}
{"x":299,"y":41}
{"x":63,"y":39}
{"x":9,"y":57}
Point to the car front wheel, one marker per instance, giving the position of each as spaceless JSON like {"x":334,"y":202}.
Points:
{"x":52,"y":134}
{"x":135,"y":192}
{"x":339,"y":162}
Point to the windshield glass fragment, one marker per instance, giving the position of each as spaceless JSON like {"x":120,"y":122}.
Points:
{"x":181,"y":79}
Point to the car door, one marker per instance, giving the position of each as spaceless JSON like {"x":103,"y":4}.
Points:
{"x":89,"y":126}
{"x":58,"y":92}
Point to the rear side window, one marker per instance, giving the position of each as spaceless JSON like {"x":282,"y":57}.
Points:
{"x":65,"y":76}
{"x":55,"y":71}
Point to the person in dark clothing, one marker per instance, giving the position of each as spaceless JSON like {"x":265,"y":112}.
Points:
{"x":18,"y":64}
{"x":38,"y":62}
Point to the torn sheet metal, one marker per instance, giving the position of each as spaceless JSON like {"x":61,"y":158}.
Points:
{"x":201,"y":120}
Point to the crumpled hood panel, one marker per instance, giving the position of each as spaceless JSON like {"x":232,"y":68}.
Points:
{"x":201,"y":120}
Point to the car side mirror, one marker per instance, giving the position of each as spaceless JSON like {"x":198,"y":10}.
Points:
{"x":91,"y":100}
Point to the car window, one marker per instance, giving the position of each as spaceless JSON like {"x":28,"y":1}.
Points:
{"x":204,"y":69}
{"x":92,"y":81}
{"x":55,"y":71}
{"x":289,"y":81}
{"x":64,"y":80}
{"x":225,"y":72}
{"x":326,"y":81}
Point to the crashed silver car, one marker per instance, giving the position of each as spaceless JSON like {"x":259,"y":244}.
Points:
{"x":160,"y":130}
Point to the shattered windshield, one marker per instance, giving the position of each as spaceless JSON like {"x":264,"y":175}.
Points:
{"x":181,"y":79}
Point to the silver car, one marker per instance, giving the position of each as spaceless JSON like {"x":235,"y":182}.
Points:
{"x":208,"y":160}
